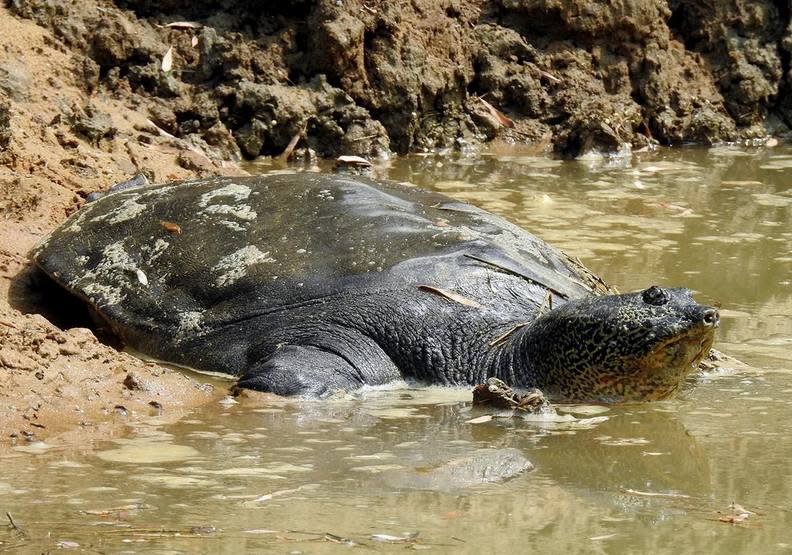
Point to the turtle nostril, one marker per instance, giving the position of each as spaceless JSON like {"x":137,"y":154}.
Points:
{"x":711,"y":317}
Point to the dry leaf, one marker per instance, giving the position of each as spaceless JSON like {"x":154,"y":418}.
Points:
{"x":504,"y":336}
{"x":734,"y":519}
{"x":497,"y":114}
{"x":184,"y":25}
{"x":480,"y":419}
{"x":159,"y":129}
{"x":353,"y":161}
{"x":450,"y":295}
{"x":549,"y":76}
{"x":171,"y":227}
{"x":167,"y":60}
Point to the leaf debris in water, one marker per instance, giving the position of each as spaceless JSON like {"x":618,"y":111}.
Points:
{"x":480,"y":419}
{"x":655,"y":494}
{"x":115,"y":510}
{"x":450,"y":295}
{"x":739,"y":515}
{"x":387,"y":538}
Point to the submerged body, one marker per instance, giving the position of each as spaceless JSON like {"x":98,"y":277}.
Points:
{"x":310,"y":283}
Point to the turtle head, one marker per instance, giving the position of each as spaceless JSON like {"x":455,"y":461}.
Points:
{"x":632,"y":347}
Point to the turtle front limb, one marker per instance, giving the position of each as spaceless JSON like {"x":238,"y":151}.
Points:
{"x":319,"y":371}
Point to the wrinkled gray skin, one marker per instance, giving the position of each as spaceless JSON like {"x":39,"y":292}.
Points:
{"x":308,"y":284}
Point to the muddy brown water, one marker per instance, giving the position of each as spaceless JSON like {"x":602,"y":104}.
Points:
{"x":316,"y":477}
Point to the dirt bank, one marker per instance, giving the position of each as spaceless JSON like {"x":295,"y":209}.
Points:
{"x":59,"y":142}
{"x":372,"y":77}
{"x":93,"y":92}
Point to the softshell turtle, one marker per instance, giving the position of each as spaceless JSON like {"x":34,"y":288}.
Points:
{"x":308,"y":284}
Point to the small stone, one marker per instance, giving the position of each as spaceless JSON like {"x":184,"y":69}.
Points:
{"x":205,"y":387}
{"x":133,"y":383}
{"x":193,"y":161}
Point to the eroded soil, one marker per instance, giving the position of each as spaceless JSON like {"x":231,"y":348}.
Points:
{"x":372,"y":77}
{"x":63,"y":143}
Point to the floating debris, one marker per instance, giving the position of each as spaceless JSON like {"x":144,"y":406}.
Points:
{"x":739,"y":515}
{"x":117,"y":511}
{"x":387,"y":538}
{"x":480,"y":419}
{"x":655,"y":494}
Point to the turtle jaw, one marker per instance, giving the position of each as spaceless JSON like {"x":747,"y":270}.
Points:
{"x":660,"y":373}
{"x":621,"y":348}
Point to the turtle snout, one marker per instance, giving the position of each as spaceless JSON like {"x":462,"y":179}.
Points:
{"x":711,"y":318}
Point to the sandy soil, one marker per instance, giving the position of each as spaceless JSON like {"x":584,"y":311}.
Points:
{"x":61,"y":383}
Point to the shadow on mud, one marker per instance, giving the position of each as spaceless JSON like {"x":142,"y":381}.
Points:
{"x":33,"y":292}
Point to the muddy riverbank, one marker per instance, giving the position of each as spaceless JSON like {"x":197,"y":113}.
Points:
{"x":93,"y":92}
{"x":369,"y":78}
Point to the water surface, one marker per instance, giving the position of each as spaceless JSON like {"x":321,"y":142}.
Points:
{"x":324,"y":477}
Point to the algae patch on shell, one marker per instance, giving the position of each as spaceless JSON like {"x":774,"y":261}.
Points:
{"x":235,"y":265}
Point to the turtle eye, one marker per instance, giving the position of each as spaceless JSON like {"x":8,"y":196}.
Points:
{"x":656,"y":296}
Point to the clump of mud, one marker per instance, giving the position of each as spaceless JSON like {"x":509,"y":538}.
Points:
{"x":5,"y":124}
{"x":367,"y":78}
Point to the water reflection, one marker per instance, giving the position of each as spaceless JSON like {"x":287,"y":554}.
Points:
{"x":277,"y":476}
